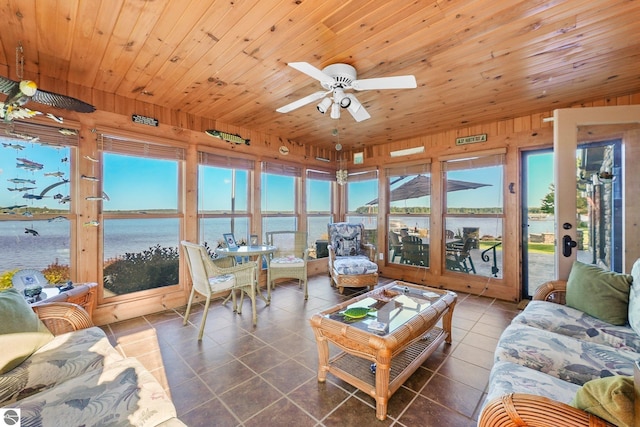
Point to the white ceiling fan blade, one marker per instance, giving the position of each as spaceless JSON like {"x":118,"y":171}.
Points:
{"x":395,"y":82}
{"x":311,"y":71}
{"x":302,"y":101}
{"x":357,"y":110}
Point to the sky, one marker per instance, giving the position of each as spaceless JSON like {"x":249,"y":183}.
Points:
{"x":132,"y":184}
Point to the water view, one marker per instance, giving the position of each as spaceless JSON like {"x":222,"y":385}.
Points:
{"x":50,"y":243}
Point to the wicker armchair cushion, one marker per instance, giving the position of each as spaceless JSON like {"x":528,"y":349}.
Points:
{"x":286,"y":262}
{"x":21,"y":332}
{"x":609,"y":398}
{"x":599,"y":293}
{"x":355,"y":265}
{"x":223,"y":281}
{"x":634,"y":298}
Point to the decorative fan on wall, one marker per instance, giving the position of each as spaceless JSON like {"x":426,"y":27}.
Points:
{"x":336,"y":79}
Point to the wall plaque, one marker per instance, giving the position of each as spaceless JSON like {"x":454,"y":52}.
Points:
{"x":471,"y":139}
{"x":143,"y":120}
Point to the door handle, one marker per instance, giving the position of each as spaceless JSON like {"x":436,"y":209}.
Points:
{"x":567,"y":244}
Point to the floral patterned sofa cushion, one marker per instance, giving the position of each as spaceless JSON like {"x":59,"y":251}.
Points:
{"x":66,"y":356}
{"x":123,"y":393}
{"x":508,"y":377}
{"x":354,"y":265}
{"x":577,"y":324}
{"x":561,"y":356}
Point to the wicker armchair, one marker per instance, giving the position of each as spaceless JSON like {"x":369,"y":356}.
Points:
{"x":214,"y":276}
{"x":63,"y":317}
{"x":289,"y":261}
{"x":351,"y":260}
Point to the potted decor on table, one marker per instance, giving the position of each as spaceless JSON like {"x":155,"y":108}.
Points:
{"x":6,"y":280}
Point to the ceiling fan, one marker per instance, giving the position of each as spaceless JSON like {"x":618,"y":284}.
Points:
{"x":335,"y":79}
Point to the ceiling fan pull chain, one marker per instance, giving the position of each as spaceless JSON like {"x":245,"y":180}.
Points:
{"x":19,"y":61}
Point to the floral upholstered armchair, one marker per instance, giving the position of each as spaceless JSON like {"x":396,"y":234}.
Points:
{"x":351,"y":260}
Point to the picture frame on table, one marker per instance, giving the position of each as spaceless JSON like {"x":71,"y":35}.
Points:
{"x":230,"y":240}
{"x":253,"y":240}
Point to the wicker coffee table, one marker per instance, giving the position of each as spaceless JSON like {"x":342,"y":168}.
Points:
{"x":398,"y":334}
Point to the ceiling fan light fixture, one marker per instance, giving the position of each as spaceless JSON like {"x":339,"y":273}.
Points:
{"x":324,"y":105}
{"x":335,"y":110}
{"x":339,"y":97}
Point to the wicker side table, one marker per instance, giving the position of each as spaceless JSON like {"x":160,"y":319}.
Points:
{"x":411,"y":337}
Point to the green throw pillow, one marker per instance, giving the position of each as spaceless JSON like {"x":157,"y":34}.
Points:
{"x":21,"y":332}
{"x":609,"y":398}
{"x":599,"y":293}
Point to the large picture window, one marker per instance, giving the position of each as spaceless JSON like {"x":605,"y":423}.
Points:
{"x":362,"y":189}
{"x":318,"y":197}
{"x":141,"y":215}
{"x":474,"y":214}
{"x":37,"y":224}
{"x":409,"y":214}
{"x":279,"y":201}
{"x":223,"y":198}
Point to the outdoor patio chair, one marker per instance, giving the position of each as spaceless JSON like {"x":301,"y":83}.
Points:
{"x":289,"y":261}
{"x":351,"y":260}
{"x":395,"y":247}
{"x":210,"y":276}
{"x":414,"y":252}
{"x":458,"y":257}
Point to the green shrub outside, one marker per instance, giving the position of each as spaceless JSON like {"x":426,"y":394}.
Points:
{"x":152,"y":268}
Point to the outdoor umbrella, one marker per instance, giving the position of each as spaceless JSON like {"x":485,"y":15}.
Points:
{"x":421,"y":186}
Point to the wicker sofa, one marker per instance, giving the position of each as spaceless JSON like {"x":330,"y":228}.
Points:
{"x":552,"y":355}
{"x":56,"y":377}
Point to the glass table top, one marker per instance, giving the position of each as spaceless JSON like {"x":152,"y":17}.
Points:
{"x":383,"y":310}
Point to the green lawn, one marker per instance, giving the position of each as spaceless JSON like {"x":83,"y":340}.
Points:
{"x":540,"y":248}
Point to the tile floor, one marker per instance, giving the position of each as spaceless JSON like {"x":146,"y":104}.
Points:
{"x":239,"y":375}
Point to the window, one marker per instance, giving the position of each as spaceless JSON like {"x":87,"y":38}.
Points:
{"x":474,"y":215}
{"x":409,"y":214}
{"x":223,"y":198}
{"x":279,"y":183}
{"x":37,"y":223}
{"x":318,"y":196}
{"x":362,"y":196}
{"x":141,"y":215}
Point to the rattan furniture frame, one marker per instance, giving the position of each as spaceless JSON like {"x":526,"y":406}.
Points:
{"x":83,"y":295}
{"x":397,"y":354}
{"x":63,"y":317}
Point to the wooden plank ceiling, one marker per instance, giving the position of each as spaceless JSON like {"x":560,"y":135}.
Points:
{"x":474,"y":61}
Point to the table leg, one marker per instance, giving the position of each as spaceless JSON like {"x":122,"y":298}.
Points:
{"x":383,"y":370}
{"x":323,"y":358}
{"x":446,"y":322}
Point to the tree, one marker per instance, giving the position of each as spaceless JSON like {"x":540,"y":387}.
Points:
{"x":548,"y":201}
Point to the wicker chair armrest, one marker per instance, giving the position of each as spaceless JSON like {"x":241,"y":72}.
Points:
{"x":62,"y":317}
{"x":552,"y":291}
{"x":519,"y":409}
{"x":239,"y":268}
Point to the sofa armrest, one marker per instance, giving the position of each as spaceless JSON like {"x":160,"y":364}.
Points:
{"x":62,"y":317}
{"x":519,"y":409}
{"x":552,"y":291}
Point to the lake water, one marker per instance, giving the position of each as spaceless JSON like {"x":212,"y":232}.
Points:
{"x":21,"y":250}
